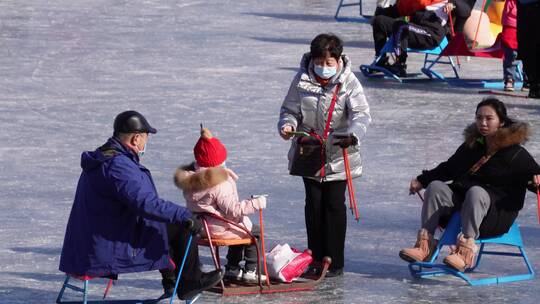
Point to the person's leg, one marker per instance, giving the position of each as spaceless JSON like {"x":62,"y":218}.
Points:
{"x":250,"y":257}
{"x":535,"y":93}
{"x":382,"y":29}
{"x":313,"y":216}
{"x":474,"y":210}
{"x":335,"y":223}
{"x":386,"y":10}
{"x":250,"y":252}
{"x":410,"y":35}
{"x":177,"y":243}
{"x":193,"y":280}
{"x":234,"y":256}
{"x":509,"y":68}
{"x":528,"y":20}
{"x":439,"y":202}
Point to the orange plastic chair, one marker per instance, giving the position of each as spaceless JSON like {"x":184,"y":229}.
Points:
{"x":214,"y":244}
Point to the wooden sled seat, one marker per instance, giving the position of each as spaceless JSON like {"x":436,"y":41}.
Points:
{"x":225,"y":242}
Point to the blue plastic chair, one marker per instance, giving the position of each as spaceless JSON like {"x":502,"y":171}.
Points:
{"x":427,"y":68}
{"x":511,"y":238}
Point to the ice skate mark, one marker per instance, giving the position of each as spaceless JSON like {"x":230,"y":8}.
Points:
{"x":189,"y":4}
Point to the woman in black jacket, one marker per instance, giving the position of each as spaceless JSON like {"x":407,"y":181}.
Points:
{"x":489,"y":174}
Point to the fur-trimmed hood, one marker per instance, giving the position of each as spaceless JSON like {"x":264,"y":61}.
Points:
{"x":189,"y":179}
{"x":515,"y":134}
{"x":213,"y":190}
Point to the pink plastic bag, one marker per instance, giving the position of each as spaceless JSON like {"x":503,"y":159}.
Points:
{"x":286,"y":263}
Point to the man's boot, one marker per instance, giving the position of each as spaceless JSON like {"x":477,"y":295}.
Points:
{"x":423,"y":249}
{"x":399,"y":69}
{"x":168,"y":282}
{"x":189,"y":290}
{"x":534,"y":91}
{"x":464,"y":256}
{"x":382,"y":62}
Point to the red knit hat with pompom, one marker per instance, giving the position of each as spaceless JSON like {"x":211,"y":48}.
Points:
{"x":209,"y":151}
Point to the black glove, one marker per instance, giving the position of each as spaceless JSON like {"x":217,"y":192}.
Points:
{"x":193,"y":224}
{"x":345,"y":141}
{"x":309,"y":141}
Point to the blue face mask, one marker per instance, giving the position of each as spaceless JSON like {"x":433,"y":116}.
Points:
{"x":325,"y":72}
{"x":141,"y":153}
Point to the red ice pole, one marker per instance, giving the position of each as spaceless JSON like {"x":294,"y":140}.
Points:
{"x":479,"y":21}
{"x":352,"y":199}
{"x":109,"y":284}
{"x":453,"y":33}
{"x":262,"y":247}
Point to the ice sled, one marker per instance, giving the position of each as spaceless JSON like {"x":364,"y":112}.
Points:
{"x":458,"y":47}
{"x":84,"y":282}
{"x":234,"y":287}
{"x":369,"y":70}
{"x":510,"y":239}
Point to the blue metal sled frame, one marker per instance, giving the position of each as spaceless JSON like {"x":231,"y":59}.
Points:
{"x":355,"y":3}
{"x":427,"y":69}
{"x":84,"y":282}
{"x":511,"y":238}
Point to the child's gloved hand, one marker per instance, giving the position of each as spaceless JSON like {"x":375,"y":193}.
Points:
{"x":259,"y":202}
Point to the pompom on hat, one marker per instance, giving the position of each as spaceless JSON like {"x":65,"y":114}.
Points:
{"x":209,"y":151}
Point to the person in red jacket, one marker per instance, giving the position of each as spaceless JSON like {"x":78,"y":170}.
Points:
{"x":510,"y":45}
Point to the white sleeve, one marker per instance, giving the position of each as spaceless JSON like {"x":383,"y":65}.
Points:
{"x":290,"y":108}
{"x":358,"y":111}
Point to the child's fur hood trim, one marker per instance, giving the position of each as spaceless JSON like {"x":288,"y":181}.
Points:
{"x":189,"y":180}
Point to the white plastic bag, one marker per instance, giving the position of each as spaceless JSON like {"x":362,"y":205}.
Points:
{"x":286,"y":264}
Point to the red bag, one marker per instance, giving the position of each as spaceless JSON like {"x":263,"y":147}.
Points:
{"x":286,"y":263}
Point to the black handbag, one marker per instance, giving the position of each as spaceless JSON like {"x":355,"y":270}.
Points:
{"x":308,"y":158}
{"x":309,"y":154}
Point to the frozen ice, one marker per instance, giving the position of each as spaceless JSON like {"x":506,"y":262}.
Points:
{"x":68,"y":67}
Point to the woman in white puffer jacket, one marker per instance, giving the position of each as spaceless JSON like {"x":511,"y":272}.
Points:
{"x":325,"y":73}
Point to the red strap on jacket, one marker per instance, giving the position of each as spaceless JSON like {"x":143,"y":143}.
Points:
{"x":330,"y":111}
{"x":327,"y":128}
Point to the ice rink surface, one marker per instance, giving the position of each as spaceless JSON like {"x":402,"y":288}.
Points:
{"x":68,"y":67}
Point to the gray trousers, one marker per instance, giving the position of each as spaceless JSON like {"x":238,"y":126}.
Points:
{"x":439,"y":203}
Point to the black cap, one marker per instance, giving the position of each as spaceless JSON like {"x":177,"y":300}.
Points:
{"x":132,"y":122}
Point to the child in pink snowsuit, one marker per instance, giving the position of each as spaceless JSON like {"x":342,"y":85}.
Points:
{"x":509,"y":41}
{"x":208,"y":186}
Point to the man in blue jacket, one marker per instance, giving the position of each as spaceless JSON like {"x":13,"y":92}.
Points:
{"x":118,"y":223}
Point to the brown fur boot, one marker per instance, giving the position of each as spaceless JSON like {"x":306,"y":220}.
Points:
{"x":464,"y":256}
{"x":423,"y":249}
